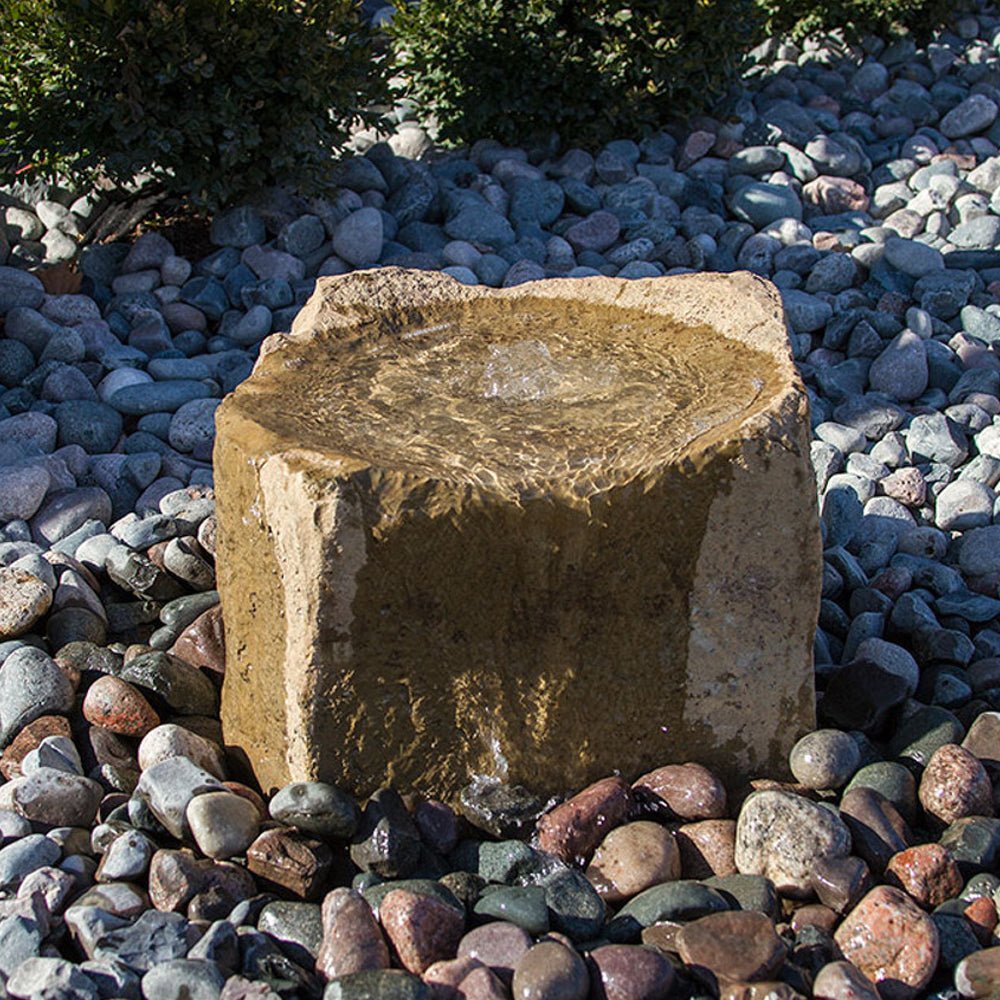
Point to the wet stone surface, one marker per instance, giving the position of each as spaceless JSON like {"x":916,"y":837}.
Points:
{"x":863,"y":182}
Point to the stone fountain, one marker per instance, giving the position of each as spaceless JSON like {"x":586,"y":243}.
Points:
{"x":538,"y":533}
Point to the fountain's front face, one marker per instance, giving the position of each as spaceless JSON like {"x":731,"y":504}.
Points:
{"x":539,"y":534}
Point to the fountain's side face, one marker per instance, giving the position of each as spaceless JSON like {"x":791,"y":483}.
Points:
{"x":540,"y":533}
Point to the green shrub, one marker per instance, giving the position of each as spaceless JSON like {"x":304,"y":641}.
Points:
{"x":511,"y":69}
{"x":214,"y":97}
{"x":804,"y":17}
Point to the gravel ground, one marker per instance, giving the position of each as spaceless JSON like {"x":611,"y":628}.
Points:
{"x":866,"y":184}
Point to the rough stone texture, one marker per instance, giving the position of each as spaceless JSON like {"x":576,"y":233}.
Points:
{"x":338,"y":550}
{"x":891,"y":941}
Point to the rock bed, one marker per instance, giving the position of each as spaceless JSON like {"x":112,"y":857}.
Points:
{"x":866,"y":185}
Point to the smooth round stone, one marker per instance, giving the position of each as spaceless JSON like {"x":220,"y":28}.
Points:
{"x":707,"y":847}
{"x":56,"y":751}
{"x":520,"y":905}
{"x":900,"y":371}
{"x":877,"y":828}
{"x":913,"y":257}
{"x":922,"y":733}
{"x":186,"y":689}
{"x":954,"y":785}
{"x":223,"y":824}
{"x":422,"y":929}
{"x":781,"y":835}
{"x":117,"y":706}
{"x":842,"y":981}
{"x":183,"y":979}
{"x":19,"y":289}
{"x":170,"y":740}
{"x":632,"y":858}
{"x":157,"y":397}
{"x":16,"y":363}
{"x":185,"y":558}
{"x":56,"y":798}
{"x":31,"y":685}
{"x":975,"y":114}
{"x":738,"y":945}
{"x":840,"y":882}
{"x":760,"y":204}
{"x":747,"y":892}
{"x":680,"y":900}
{"x":352,"y":940}
{"x":113,"y":978}
{"x":193,"y":424}
{"x":24,"y":601}
{"x":168,"y":787}
{"x":824,"y":759}
{"x":683,"y":791}
{"x":891,"y":941}
{"x":253,"y":327}
{"x":316,"y":807}
{"x":239,"y":227}
{"x":550,"y":970}
{"x":892,"y":658}
{"x":978,"y":974}
{"x":358,"y":237}
{"x":892,"y":780}
{"x":500,"y":945}
{"x":626,"y":971}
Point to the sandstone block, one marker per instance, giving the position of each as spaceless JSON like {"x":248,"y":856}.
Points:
{"x":538,"y":533}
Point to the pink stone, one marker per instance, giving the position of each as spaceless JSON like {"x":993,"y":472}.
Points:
{"x":892,"y":941}
{"x":352,"y":940}
{"x":835,"y":194}
{"x":422,"y":929}
{"x":685,"y":791}
{"x":954,"y":785}
{"x":573,"y":830}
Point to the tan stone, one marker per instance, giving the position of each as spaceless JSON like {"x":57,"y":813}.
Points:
{"x":612,"y":563}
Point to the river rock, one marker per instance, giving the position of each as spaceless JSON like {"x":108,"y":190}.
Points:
{"x":550,"y":969}
{"x":736,"y":946}
{"x":892,"y":941}
{"x":304,"y":586}
{"x":781,"y":835}
{"x":352,"y":939}
{"x":954,"y":785}
{"x":423,"y":929}
{"x":632,"y":858}
{"x":926,"y":873}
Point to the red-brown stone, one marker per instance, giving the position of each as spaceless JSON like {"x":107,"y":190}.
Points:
{"x":892,"y":941}
{"x":423,"y":929}
{"x":927,"y":873}
{"x":573,"y":829}
{"x":203,"y":642}
{"x":687,"y":792}
{"x":116,"y":705}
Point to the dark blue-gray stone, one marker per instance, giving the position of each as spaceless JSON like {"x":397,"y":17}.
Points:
{"x":537,"y":201}
{"x":680,"y":900}
{"x":16,"y":362}
{"x":239,"y":227}
{"x":95,"y":426}
{"x":165,"y":397}
{"x":521,"y":905}
{"x":154,"y":938}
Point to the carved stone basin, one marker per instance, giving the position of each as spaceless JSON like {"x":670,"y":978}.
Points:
{"x":539,"y":533}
